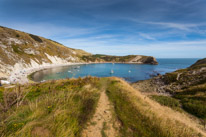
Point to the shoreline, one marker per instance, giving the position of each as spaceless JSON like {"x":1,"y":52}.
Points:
{"x":22,"y":76}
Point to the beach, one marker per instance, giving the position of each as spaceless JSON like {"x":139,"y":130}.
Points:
{"x":21,"y":76}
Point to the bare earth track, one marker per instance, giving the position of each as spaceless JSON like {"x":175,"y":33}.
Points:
{"x":102,"y":122}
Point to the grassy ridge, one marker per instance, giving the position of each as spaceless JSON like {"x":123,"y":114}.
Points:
{"x":107,"y":58}
{"x":63,"y":108}
{"x":59,"y":108}
{"x":138,"y":118}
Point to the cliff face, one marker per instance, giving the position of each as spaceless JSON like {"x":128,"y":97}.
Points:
{"x":136,"y":59}
{"x":20,"y":50}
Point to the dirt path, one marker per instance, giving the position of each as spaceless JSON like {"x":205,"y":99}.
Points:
{"x":101,"y":124}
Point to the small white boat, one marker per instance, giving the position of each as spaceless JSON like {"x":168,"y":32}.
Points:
{"x":69,"y":71}
{"x":129,"y":71}
{"x":111,"y":72}
{"x":76,"y":67}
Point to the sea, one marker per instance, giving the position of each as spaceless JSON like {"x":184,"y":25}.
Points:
{"x":129,"y":72}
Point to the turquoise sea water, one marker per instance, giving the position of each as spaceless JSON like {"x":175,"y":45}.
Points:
{"x":129,"y":72}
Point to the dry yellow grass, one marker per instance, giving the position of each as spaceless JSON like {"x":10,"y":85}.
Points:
{"x":178,"y":123}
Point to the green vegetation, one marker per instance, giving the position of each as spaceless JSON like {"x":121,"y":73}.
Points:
{"x":107,"y":58}
{"x":167,"y":101}
{"x":170,"y":78}
{"x":22,"y":41}
{"x":56,"y":107}
{"x":138,"y":118}
{"x":17,"y":49}
{"x":132,"y":125}
{"x":17,"y":35}
{"x":1,"y":94}
{"x":65,"y":107}
{"x":103,"y":129}
{"x":36,"y":38}
{"x":193,"y":100}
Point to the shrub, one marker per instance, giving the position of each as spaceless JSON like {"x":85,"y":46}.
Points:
{"x":170,"y":78}
{"x":36,"y":38}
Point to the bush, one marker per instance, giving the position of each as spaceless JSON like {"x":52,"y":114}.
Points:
{"x":170,"y":78}
{"x":36,"y":38}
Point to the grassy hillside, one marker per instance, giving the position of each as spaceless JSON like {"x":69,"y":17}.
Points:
{"x":56,"y":108}
{"x":19,"y":50}
{"x":23,"y":46}
{"x":66,"y":107}
{"x":186,"y":89}
{"x":121,"y":59}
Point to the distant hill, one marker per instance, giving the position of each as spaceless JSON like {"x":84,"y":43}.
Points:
{"x":137,"y":59}
{"x":20,"y":50}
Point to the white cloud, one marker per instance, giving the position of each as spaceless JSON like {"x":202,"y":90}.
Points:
{"x":185,"y":27}
{"x":184,"y":49}
{"x":147,"y":36}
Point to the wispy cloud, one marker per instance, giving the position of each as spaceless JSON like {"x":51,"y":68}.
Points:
{"x":146,"y":36}
{"x":152,"y":27}
{"x":185,"y":27}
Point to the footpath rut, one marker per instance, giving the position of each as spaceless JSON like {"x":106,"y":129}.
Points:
{"x":102,"y":123}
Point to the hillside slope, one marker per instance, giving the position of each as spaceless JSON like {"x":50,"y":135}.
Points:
{"x":92,"y":107}
{"x":183,"y":90}
{"x":19,"y":50}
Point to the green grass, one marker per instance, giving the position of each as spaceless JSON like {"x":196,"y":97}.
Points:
{"x":64,"y":107}
{"x":1,"y":94}
{"x":139,"y":118}
{"x":134,"y":123}
{"x":16,"y":49}
{"x":193,"y":100}
{"x":59,"y":111}
{"x":103,"y":129}
{"x":167,"y":101}
{"x":108,"y":58}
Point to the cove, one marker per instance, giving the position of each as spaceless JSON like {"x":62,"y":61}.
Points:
{"x":129,"y":72}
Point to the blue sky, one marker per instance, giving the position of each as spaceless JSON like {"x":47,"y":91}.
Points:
{"x":160,"y":28}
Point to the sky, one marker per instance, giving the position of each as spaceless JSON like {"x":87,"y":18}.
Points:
{"x":160,"y":28}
